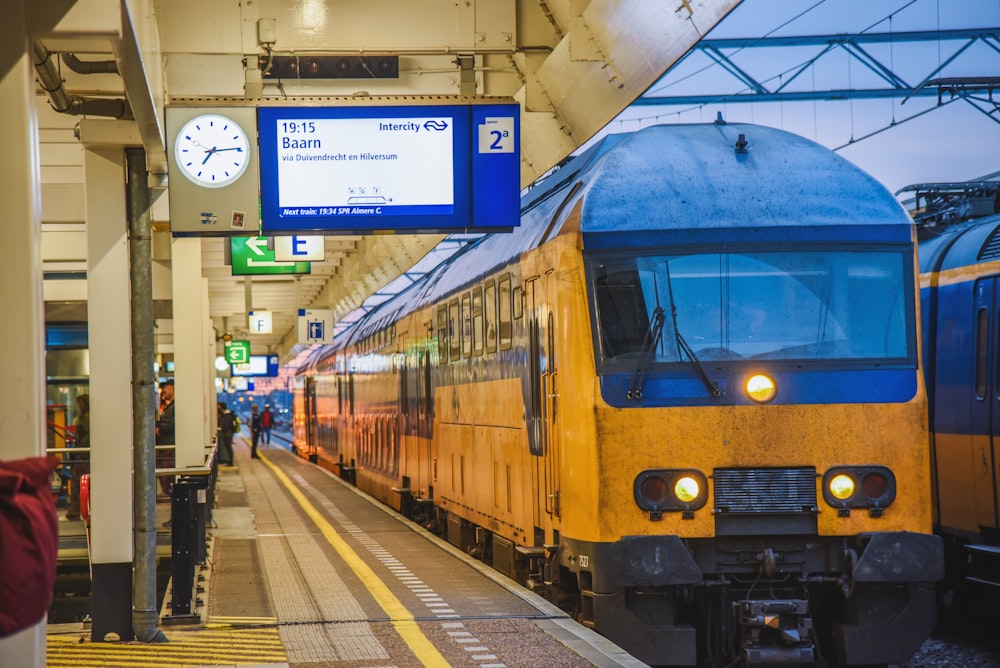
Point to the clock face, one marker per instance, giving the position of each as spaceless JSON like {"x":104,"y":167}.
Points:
{"x":212,"y":150}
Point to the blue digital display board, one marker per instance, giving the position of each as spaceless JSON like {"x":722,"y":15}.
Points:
{"x":259,"y":365}
{"x":441,"y":168}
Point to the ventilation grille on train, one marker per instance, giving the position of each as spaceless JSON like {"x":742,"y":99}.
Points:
{"x":991,"y":247}
{"x":791,"y":490}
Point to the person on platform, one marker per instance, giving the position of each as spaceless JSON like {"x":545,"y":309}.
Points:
{"x":266,"y":422}
{"x":229,"y":424}
{"x":81,"y":461}
{"x":165,"y":433}
{"x":255,"y":429}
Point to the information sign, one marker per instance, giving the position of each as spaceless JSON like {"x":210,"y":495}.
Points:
{"x":257,"y":365}
{"x":251,"y":256}
{"x":300,"y":249}
{"x":315,"y":326}
{"x":413,"y":168}
{"x":238,"y":352}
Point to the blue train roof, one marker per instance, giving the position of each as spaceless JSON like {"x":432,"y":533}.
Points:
{"x":693,"y":176}
{"x":666,"y":178}
{"x":968,"y":243}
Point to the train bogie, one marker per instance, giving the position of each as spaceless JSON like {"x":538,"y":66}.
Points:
{"x":683,"y":400}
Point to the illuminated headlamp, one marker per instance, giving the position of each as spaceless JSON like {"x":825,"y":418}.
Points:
{"x":871,"y":487}
{"x":671,"y":490}
{"x":761,"y":388}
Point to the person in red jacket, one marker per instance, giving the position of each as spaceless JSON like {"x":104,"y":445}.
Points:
{"x":266,"y":422}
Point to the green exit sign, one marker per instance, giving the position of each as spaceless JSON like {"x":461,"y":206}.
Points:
{"x":238,"y":352}
{"x":251,"y":257}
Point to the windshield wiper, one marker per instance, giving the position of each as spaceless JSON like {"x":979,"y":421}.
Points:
{"x":710,"y":382}
{"x":649,"y":344}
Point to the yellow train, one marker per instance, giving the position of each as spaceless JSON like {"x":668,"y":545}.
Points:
{"x":682,"y":400}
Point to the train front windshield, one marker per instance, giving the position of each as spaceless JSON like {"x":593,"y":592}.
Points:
{"x":798,"y":305}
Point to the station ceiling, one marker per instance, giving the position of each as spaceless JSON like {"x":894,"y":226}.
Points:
{"x":111,"y":67}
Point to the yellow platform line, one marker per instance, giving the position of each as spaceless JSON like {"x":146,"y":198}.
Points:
{"x":215,"y":621}
{"x":234,"y":647}
{"x":400,"y":618}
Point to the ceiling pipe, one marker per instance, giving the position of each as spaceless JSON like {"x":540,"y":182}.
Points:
{"x":89,"y":66}
{"x":63,"y":102}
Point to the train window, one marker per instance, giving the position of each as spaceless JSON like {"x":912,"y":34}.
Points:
{"x":623,"y":311}
{"x":442,"y":334}
{"x":982,"y":351}
{"x":503,"y":318}
{"x":490,"y":304}
{"x":795,"y":304}
{"x":350,"y":392}
{"x":454,"y":331}
{"x":466,"y":325}
{"x":404,"y":385}
{"x":517,"y":302}
{"x":427,"y":396}
{"x":477,"y":321}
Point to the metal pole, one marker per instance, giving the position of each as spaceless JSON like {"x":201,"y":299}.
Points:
{"x":144,"y":611}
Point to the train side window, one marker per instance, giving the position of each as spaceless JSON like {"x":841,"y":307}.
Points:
{"x":466,"y":325}
{"x":454,"y":331}
{"x":350,"y":393}
{"x":442,"y":334}
{"x":477,"y":321}
{"x":490,"y":304}
{"x":982,"y":349}
{"x":428,"y":395}
{"x":503,"y":303}
{"x":517,"y":302}
{"x":404,"y":385}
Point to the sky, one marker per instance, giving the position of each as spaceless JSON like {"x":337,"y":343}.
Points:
{"x":898,"y":143}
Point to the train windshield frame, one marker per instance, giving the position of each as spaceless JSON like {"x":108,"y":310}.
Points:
{"x":847,"y":307}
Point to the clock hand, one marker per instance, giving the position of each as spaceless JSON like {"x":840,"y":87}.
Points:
{"x":208,"y":154}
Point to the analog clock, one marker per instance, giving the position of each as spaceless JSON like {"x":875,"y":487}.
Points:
{"x":212,"y":150}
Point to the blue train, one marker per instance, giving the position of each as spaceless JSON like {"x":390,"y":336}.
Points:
{"x":959,"y":231}
{"x":683,"y":400}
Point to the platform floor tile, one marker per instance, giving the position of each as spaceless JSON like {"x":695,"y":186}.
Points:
{"x":186,"y":648}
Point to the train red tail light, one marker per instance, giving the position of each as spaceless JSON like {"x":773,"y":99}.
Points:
{"x":654,"y":489}
{"x":874,"y":485}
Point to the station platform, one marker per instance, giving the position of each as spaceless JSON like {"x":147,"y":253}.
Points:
{"x":305,"y":570}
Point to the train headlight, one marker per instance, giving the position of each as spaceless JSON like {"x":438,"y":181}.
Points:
{"x":670,"y":490}
{"x":761,"y":388}
{"x":842,"y":486}
{"x":871,"y":487}
{"x":687,"y":489}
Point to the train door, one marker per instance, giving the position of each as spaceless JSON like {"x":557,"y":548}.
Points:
{"x":985,"y":414}
{"x":425,"y":417}
{"x":550,"y":389}
{"x":541,"y":395}
{"x":309,"y":410}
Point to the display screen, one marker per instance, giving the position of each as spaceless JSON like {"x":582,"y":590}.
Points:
{"x":259,"y":365}
{"x":410,"y":168}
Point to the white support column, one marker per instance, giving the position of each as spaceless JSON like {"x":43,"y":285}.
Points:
{"x":22,"y":338}
{"x":208,"y":350}
{"x":192,"y":408}
{"x":109,"y":333}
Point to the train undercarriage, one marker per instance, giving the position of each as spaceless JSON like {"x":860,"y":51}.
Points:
{"x":736,"y":601}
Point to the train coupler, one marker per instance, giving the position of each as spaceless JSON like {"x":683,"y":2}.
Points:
{"x":776,"y":632}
